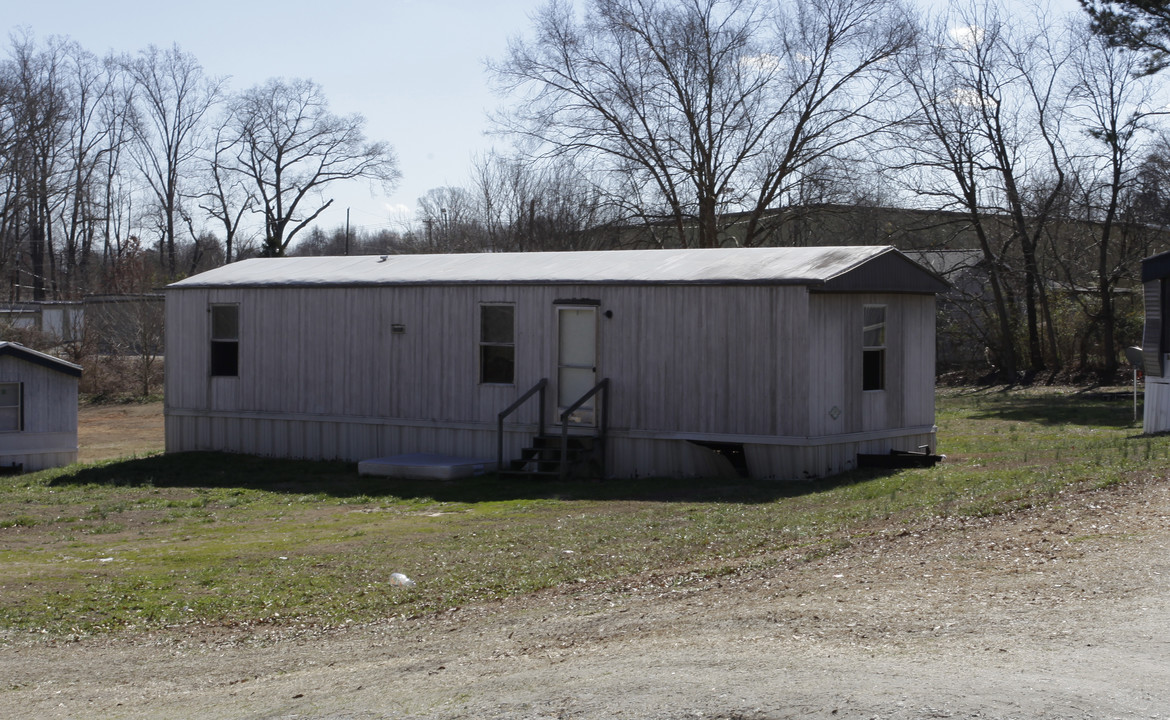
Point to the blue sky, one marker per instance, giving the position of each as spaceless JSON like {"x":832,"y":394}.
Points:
{"x":414,"y":69}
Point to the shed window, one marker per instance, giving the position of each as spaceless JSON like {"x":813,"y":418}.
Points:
{"x":11,"y":415}
{"x":225,"y":340}
{"x":497,"y":344}
{"x":873,"y":348}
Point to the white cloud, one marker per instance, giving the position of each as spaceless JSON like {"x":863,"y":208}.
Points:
{"x":971,"y":98}
{"x":764,"y":62}
{"x":398,"y":210}
{"x":967,"y":37}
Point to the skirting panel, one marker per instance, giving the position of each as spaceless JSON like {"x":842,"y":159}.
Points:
{"x":678,"y":458}
{"x":41,"y":460}
{"x":627,"y":456}
{"x":1156,"y":407}
{"x":330,"y":440}
{"x":807,"y":463}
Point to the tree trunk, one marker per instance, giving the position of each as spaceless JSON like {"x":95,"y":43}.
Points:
{"x":1007,"y":349}
{"x":708,"y":223}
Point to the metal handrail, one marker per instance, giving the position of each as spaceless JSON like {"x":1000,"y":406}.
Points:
{"x":538,"y":387}
{"x":603,"y":388}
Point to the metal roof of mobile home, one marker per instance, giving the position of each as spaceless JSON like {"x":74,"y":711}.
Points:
{"x":39,"y":358}
{"x":844,"y":269}
{"x":1156,"y":267}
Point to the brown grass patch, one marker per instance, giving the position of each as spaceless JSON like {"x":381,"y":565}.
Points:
{"x":106,"y":432}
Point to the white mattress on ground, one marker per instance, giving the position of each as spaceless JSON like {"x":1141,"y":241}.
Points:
{"x":424,"y":466}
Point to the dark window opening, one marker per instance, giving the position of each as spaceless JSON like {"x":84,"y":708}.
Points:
{"x":497,"y":344}
{"x":873,"y":374}
{"x":873,"y":342}
{"x":225,"y":340}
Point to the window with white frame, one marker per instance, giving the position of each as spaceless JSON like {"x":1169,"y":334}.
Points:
{"x":11,"y":417}
{"x":873,"y":348}
{"x":497,"y":344}
{"x":225,"y":340}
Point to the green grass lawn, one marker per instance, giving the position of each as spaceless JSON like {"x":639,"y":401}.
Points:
{"x":160,"y":541}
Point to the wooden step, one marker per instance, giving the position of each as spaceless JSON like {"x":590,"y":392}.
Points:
{"x":574,"y":441}
{"x":542,"y":460}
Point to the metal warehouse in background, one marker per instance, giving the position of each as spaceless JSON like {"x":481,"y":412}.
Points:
{"x":785,"y":362}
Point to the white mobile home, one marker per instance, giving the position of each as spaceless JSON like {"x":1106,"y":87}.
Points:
{"x":790,"y":360}
{"x":1156,"y":343}
{"x":38,"y":409}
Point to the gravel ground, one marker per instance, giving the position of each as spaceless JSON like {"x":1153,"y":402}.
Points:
{"x":1059,"y":612}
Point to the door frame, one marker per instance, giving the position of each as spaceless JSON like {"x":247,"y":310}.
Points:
{"x":592,"y":306}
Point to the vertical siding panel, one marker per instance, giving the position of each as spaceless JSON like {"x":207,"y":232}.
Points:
{"x":311,"y":437}
{"x":186,"y":353}
{"x":1156,"y":405}
{"x":832,"y":365}
{"x":918,"y":382}
{"x":897,"y":339}
{"x":792,"y":362}
{"x":420,"y":372}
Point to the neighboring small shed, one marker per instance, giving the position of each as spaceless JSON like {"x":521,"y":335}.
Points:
{"x":787,"y":361}
{"x":38,"y":409}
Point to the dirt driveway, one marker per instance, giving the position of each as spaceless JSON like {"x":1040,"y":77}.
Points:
{"x":1056,"y":613}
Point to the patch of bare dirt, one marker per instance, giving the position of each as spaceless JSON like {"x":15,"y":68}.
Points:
{"x":105,"y":432}
{"x":1059,"y":612}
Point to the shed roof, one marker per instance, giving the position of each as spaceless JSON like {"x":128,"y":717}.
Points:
{"x":39,"y":358}
{"x":845,"y":269}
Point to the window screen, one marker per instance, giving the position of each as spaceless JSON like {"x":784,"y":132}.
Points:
{"x":10,"y":416}
{"x":225,"y":340}
{"x":497,"y":344}
{"x":873,"y":342}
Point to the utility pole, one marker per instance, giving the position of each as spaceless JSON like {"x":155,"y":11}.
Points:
{"x":347,"y":231}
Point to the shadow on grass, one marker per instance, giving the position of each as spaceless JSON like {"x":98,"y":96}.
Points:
{"x":1089,"y":407}
{"x":341,"y":480}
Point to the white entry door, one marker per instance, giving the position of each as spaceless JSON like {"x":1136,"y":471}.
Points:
{"x":577,"y":362}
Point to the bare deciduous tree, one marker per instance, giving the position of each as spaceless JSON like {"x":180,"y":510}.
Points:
{"x":174,"y":98}
{"x":450,"y":220}
{"x":1113,"y":105}
{"x":119,"y":119}
{"x":987,"y":140}
{"x":703,"y":106}
{"x":527,"y":206}
{"x":1012,"y":72}
{"x":227,"y":198}
{"x":944,"y":150}
{"x":94,"y":136}
{"x":291,"y":148}
{"x":39,"y":113}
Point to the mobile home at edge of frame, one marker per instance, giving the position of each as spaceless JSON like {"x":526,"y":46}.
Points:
{"x":38,"y":409}
{"x":1156,"y":343}
{"x":797,"y":359}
